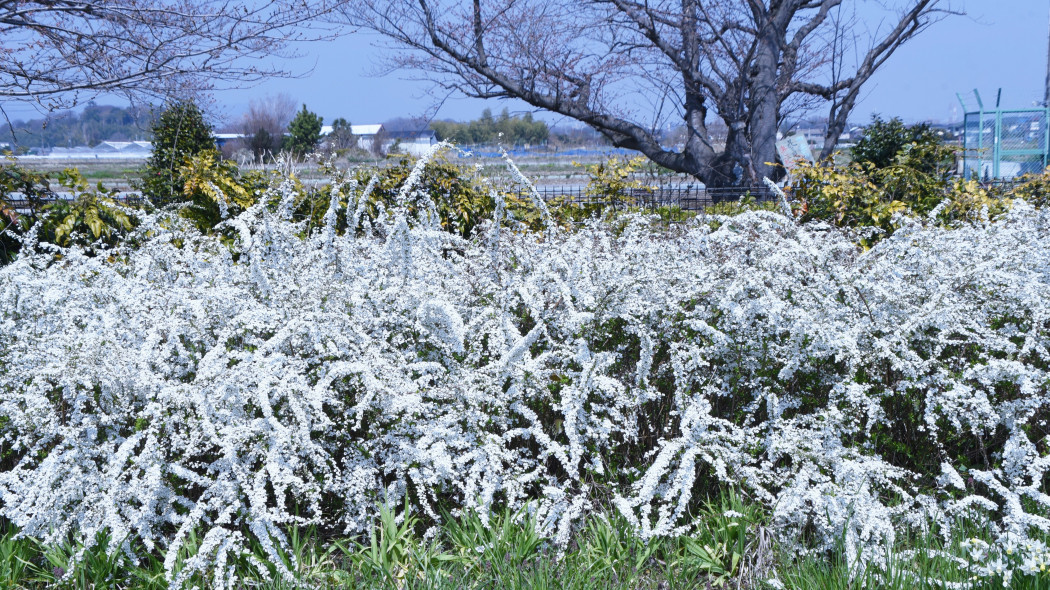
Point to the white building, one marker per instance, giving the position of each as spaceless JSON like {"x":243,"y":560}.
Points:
{"x":365,"y":134}
{"x":123,"y":150}
{"x":413,"y":143}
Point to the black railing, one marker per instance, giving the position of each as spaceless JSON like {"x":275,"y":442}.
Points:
{"x":1003,"y":184}
{"x":685,"y":197}
{"x":26,"y":205}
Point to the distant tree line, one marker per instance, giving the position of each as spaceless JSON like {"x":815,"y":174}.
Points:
{"x":567,"y":136}
{"x":488,"y":129}
{"x":93,"y":125}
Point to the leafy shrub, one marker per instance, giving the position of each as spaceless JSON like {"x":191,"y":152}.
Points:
{"x":746,"y":203}
{"x":883,"y":141}
{"x":862,"y":196}
{"x":611,"y":192}
{"x":19,"y":184}
{"x":895,"y":170}
{"x":1035,"y":189}
{"x":9,"y":226}
{"x":92,"y":215}
{"x":612,"y":183}
{"x":213,"y":188}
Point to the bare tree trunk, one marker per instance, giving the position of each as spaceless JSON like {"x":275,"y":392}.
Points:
{"x":765,"y":106}
{"x":733,"y":167}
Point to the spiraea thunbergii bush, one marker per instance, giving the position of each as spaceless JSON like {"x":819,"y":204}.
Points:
{"x":230,"y":389}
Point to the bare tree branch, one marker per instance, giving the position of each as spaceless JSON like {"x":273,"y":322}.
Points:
{"x":597,"y":61}
{"x":57,"y":52}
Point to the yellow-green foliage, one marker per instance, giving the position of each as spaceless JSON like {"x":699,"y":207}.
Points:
{"x":610,"y":191}
{"x":746,"y":203}
{"x":968,"y":200}
{"x":17,"y":183}
{"x":207,"y":175}
{"x":93,"y":212}
{"x":567,"y":211}
{"x":915,"y":183}
{"x":524,"y":210}
{"x":214,"y":188}
{"x":461,"y":201}
{"x":1035,"y":189}
{"x":844,"y":196}
{"x":612,"y":182}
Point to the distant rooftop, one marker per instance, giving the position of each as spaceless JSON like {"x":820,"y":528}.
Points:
{"x":106,"y":149}
{"x":365,"y":129}
{"x":125,"y":146}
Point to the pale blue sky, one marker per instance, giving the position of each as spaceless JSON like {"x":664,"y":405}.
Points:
{"x":999,"y":44}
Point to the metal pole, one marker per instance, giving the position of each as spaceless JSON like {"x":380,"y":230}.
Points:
{"x":996,"y":147}
{"x":965,"y":134}
{"x":980,"y":135}
{"x":1046,"y":108}
{"x":1046,"y":95}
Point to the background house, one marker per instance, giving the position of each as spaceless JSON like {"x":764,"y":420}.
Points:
{"x":413,"y":143}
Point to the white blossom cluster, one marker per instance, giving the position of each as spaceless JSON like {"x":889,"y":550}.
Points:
{"x":190,"y":384}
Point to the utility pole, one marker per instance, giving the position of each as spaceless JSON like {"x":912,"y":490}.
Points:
{"x":1046,"y":94}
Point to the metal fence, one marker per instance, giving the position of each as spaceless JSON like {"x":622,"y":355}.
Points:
{"x":27,"y":205}
{"x":1004,"y":143}
{"x":1002,"y":185}
{"x":685,"y":197}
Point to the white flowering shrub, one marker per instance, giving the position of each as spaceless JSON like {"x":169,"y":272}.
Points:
{"x":231,"y":390}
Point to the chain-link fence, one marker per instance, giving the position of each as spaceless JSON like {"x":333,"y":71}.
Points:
{"x":1005,"y":143}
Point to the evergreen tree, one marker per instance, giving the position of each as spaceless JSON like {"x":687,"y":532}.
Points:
{"x":179,"y":133}
{"x":261,"y":144}
{"x":882,"y":141}
{"x":304,"y":133}
{"x":342,"y":135}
